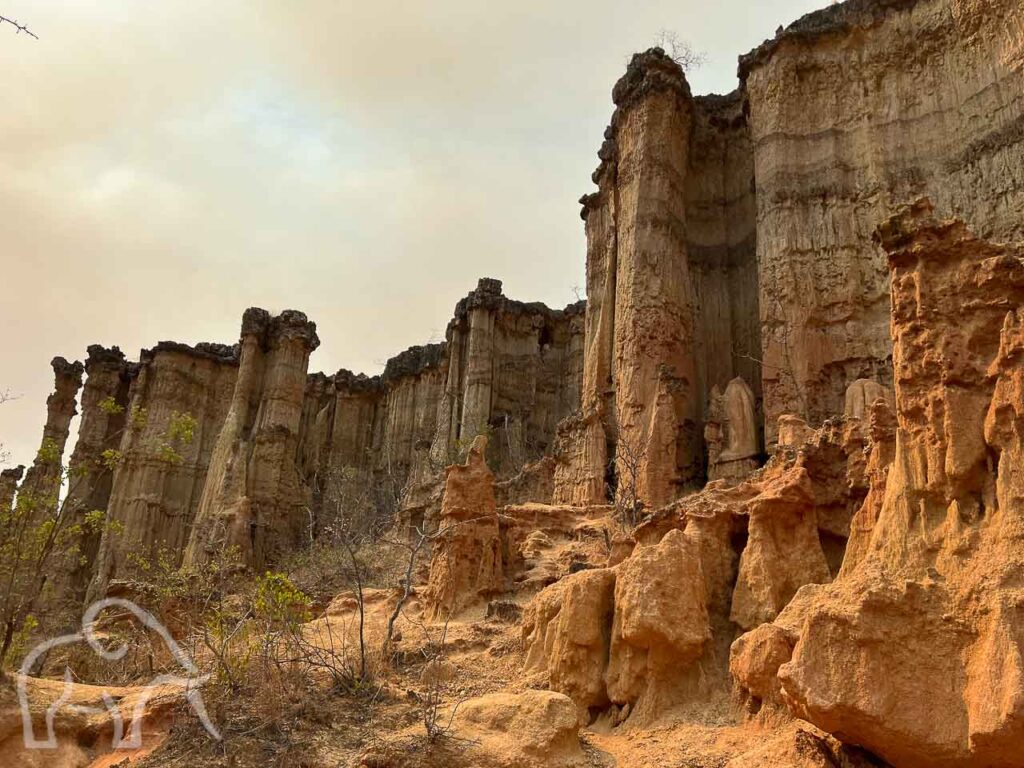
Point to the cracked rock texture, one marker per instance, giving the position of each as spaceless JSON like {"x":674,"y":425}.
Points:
{"x":731,"y":236}
{"x":931,"y":602}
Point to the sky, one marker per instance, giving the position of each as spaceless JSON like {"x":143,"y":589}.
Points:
{"x":163,"y":166}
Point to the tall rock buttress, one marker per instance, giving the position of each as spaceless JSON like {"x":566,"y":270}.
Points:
{"x":254,"y":498}
{"x":104,"y":416}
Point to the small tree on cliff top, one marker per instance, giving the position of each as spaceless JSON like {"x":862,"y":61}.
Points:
{"x":681,"y":52}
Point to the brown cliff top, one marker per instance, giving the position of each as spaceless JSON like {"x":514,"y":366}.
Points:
{"x":100,"y":355}
{"x":289,"y":324}
{"x":15,"y":473}
{"x":218,"y":353}
{"x":651,"y":71}
{"x":835,"y":19}
{"x":488,"y":295}
{"x":413,"y":362}
{"x":61,"y":367}
{"x":408,"y":364}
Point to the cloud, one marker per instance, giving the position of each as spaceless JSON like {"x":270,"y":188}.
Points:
{"x":165,"y":165}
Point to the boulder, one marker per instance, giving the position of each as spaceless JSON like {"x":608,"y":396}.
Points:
{"x":534,"y":729}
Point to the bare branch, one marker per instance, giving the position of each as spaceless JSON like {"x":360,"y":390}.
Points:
{"x":20,"y":27}
{"x":680,"y":51}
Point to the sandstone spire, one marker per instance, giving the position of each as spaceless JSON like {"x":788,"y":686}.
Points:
{"x":43,"y":479}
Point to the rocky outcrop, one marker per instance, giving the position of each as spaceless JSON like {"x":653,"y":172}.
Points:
{"x":533,"y":729}
{"x":731,"y":236}
{"x":254,"y":498}
{"x":567,"y":635}
{"x":783,"y":551}
{"x":932,"y":601}
{"x":661,"y":622}
{"x":671,"y":283}
{"x":931,"y":103}
{"x":508,"y":370}
{"x":239,"y":440}
{"x":159,"y":479}
{"x":513,"y":373}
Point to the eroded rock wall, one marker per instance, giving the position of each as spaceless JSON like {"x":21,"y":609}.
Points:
{"x":672,"y":287}
{"x":508,"y":370}
{"x":156,"y":486}
{"x":514,"y":371}
{"x":931,"y":601}
{"x":854,"y":111}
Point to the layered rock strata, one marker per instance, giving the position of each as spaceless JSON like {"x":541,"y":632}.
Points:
{"x":931,"y":603}
{"x":158,"y":483}
{"x":932,"y":103}
{"x":731,"y":236}
{"x":254,"y":498}
{"x":104,"y":416}
{"x":507,"y":370}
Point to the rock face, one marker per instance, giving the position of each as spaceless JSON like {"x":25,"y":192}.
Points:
{"x":508,"y":370}
{"x":157,"y":485}
{"x":731,"y":236}
{"x":567,"y":631}
{"x":193,"y":449}
{"x":661,"y":622}
{"x":513,"y":372}
{"x":254,"y":498}
{"x":932,"y":103}
{"x":931,"y":602}
{"x":660,"y":298}
{"x":783,"y":551}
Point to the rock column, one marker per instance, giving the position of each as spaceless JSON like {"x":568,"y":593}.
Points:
{"x":104,"y":415}
{"x":254,"y":498}
{"x":654,"y":364}
{"x":43,"y":479}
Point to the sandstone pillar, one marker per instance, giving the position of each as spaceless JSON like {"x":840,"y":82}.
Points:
{"x":42,"y":482}
{"x":254,"y":498}
{"x":656,"y":394}
{"x":104,"y":415}
{"x":158,"y":481}
{"x":9,"y":479}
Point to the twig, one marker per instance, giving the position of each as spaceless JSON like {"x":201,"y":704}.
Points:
{"x":20,"y":27}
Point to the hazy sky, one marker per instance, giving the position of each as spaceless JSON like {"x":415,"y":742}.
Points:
{"x":163,"y":166}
